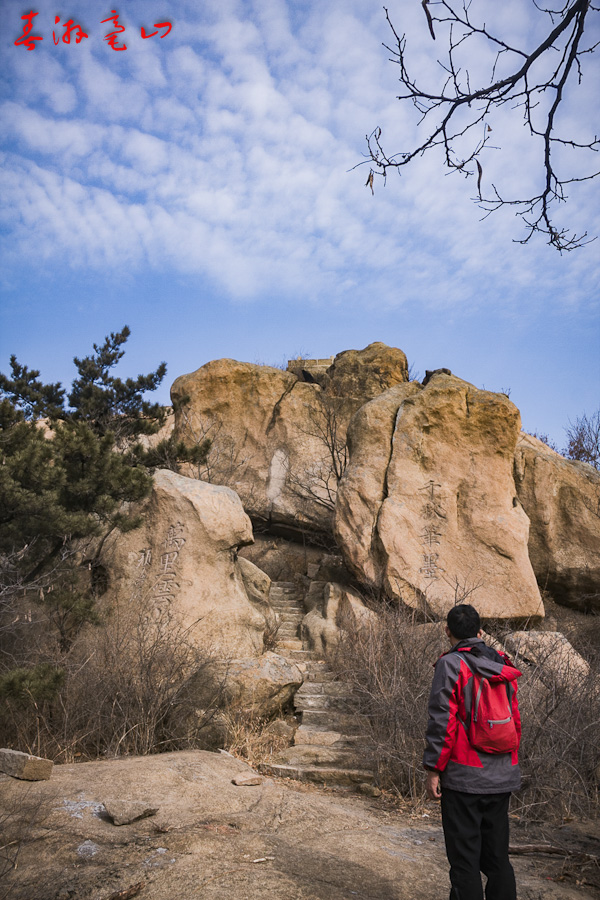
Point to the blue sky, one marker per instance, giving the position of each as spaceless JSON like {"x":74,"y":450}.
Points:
{"x":199,"y":188}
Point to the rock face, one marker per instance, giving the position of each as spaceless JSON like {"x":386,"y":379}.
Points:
{"x":366,"y":373}
{"x":278,"y":440}
{"x":258,"y":686}
{"x":182,"y":563}
{"x":427,"y":509}
{"x":338,"y":607}
{"x":557,"y":659}
{"x":562,"y":499}
{"x":25,"y":766}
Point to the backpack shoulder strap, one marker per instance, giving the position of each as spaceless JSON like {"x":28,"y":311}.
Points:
{"x":468,"y":693}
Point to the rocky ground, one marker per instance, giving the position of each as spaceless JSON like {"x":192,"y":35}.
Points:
{"x":213,"y":839}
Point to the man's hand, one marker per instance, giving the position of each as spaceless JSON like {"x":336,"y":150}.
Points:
{"x":432,"y":786}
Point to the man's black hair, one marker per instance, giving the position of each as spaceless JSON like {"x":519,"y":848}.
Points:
{"x":463,"y":621}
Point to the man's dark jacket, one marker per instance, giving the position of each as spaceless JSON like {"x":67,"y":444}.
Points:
{"x":461,"y":767}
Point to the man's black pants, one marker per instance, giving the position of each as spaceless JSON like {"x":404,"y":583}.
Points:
{"x":476,"y":835}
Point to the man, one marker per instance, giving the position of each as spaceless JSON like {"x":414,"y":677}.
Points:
{"x":474,"y":786}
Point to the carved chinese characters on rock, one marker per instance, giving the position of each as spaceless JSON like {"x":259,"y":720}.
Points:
{"x":433,"y":518}
{"x":158,"y":571}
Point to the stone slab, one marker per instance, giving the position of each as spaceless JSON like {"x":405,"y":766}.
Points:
{"x":25,"y":766}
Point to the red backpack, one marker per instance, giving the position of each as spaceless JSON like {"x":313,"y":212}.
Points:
{"x":491,"y":727}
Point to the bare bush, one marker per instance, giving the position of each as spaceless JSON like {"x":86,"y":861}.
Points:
{"x":225,"y":462}
{"x":389,"y":663}
{"x":326,"y":424}
{"x":20,"y":819}
{"x":117,"y":691}
{"x":583,"y":439}
{"x":252,"y":738}
{"x":560,"y":747}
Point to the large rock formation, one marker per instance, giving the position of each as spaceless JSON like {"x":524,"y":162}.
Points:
{"x":562,"y":499}
{"x":259,"y":686}
{"x":427,"y":509}
{"x":336,"y":608}
{"x":181,"y":563}
{"x":276,"y":439}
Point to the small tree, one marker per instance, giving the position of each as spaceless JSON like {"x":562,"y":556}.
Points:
{"x":327,"y":422}
{"x":584,"y":439}
{"x":70,"y":486}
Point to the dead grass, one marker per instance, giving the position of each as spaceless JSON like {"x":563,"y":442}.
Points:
{"x":121,"y":692}
{"x":254,"y":739}
{"x":390,"y":664}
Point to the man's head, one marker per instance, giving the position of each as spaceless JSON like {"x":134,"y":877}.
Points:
{"x":463,"y":622}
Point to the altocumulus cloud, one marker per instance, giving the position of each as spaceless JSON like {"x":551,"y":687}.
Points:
{"x":224,"y":150}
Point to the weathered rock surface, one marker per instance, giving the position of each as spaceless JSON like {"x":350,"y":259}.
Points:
{"x":124,"y":812}
{"x":366,"y":373}
{"x":558,"y":660}
{"x":25,"y":766}
{"x":427,"y":509}
{"x":562,"y":499}
{"x":286,"y":560}
{"x":257,"y":584}
{"x":339,"y":607}
{"x":274,"y":435}
{"x":209,"y":833}
{"x":260,"y":685}
{"x":247,"y":780}
{"x":182,"y":564}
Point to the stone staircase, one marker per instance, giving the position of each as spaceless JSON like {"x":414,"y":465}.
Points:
{"x":329,"y":745}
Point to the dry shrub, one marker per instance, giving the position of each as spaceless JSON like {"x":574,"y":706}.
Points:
{"x":390,"y":665}
{"x":560,"y":748}
{"x":20,"y":823}
{"x":389,"y":662}
{"x":121,"y":692}
{"x":253,"y":738}
{"x":271,"y":632}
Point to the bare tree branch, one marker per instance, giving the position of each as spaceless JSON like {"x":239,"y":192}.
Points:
{"x":459,"y":110}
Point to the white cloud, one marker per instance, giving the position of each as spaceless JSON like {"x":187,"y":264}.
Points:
{"x":226,"y":152}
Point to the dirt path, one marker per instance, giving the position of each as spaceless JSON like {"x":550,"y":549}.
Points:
{"x":214,"y":840}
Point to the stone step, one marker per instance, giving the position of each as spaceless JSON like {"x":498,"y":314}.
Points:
{"x":288,"y":608}
{"x":306,"y":702}
{"x":319,"y":677}
{"x":323,"y":757}
{"x":302,"y":655}
{"x":327,"y":688}
{"x":333,"y":720}
{"x":317,"y":775}
{"x":285,"y":585}
{"x":290,"y":617}
{"x":295,"y":646}
{"x":321,"y":736}
{"x":317,"y":666}
{"x":287,"y":634}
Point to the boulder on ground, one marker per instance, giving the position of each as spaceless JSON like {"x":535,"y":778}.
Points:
{"x":562,"y":499}
{"x":257,"y":584}
{"x":260,"y":686}
{"x":427,"y":510}
{"x":556,"y":658}
{"x":339,"y":607}
{"x":181,"y":564}
{"x":25,"y":766}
